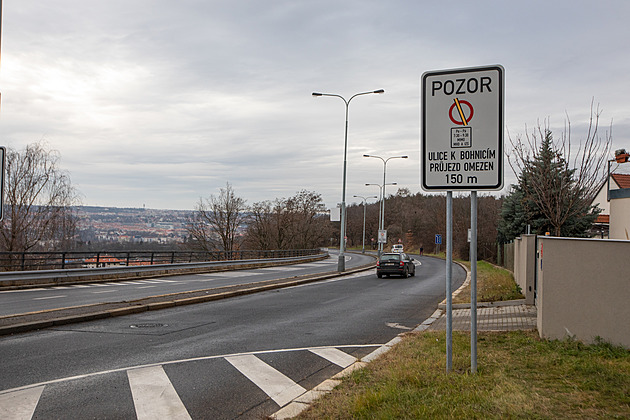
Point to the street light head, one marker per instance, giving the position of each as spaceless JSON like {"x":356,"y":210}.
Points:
{"x":379,"y":91}
{"x":404,"y":157}
{"x":317,"y":94}
{"x":366,"y":155}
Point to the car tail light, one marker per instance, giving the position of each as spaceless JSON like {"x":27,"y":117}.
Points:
{"x":402,"y":264}
{"x":378,"y":263}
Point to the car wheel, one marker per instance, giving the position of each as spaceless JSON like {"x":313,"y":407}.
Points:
{"x":379,"y":275}
{"x":405,"y":274}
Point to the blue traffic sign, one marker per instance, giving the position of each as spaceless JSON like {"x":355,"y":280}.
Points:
{"x":438,"y":239}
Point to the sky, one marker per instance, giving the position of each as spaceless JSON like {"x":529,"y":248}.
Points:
{"x":158,"y":103}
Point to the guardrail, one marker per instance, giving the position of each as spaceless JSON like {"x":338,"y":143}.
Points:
{"x":29,"y":261}
{"x":36,"y":278}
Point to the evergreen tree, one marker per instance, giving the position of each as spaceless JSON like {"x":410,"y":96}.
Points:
{"x":547,"y":198}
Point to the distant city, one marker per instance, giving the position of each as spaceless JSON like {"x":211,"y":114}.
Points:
{"x":132,"y":225}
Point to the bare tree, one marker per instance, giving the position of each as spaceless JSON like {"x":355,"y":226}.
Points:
{"x":295,"y":222}
{"x":557,"y":181}
{"x":217,"y":219}
{"x":38,"y":201}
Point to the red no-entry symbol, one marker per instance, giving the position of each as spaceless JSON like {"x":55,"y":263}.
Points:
{"x":458,"y":107}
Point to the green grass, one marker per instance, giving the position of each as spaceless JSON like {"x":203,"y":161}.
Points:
{"x":493,"y":284}
{"x":519,"y":376}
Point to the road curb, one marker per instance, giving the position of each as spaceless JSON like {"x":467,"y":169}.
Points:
{"x":169,"y":301}
{"x":304,"y":401}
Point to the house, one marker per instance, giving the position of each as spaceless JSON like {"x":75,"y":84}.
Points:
{"x":613,"y":199}
{"x":103,"y":261}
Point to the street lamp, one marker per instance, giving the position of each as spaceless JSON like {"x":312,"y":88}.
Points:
{"x":380,"y":208}
{"x":364,"y":202}
{"x":380,"y":246}
{"x":341,"y":266}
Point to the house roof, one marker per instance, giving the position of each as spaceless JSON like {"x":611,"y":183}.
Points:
{"x":104,"y":259}
{"x":603,"y":218}
{"x":623,"y":180}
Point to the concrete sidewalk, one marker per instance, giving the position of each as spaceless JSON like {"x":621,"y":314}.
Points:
{"x":506,"y":316}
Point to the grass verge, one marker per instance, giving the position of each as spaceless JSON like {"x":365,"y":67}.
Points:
{"x":519,"y":376}
{"x":493,"y":284}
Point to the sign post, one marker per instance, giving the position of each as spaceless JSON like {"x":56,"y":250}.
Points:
{"x":3,"y":153}
{"x":462,"y":150}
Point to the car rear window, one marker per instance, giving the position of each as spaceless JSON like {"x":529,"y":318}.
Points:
{"x":387,"y":257}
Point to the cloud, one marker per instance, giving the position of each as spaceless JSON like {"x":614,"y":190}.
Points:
{"x":160,"y":102}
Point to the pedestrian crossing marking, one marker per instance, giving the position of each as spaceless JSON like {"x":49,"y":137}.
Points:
{"x":154,"y":396}
{"x":336,"y":356}
{"x":20,"y":405}
{"x":279,"y":387}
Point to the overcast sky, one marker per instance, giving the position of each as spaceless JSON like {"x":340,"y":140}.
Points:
{"x":158,"y":103}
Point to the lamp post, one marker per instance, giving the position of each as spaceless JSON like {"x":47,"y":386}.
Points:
{"x":380,"y":245}
{"x":341,"y":265}
{"x":380,"y":209}
{"x":364,"y":202}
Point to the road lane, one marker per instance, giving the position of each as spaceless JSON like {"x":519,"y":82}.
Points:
{"x":31,"y":300}
{"x":295,"y":331}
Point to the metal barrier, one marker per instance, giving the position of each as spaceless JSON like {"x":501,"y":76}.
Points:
{"x":30,"y":261}
{"x":38,"y":278}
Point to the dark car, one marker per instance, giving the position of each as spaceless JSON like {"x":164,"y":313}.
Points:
{"x":395,"y":263}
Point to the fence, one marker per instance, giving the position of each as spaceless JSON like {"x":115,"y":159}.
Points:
{"x":27,"y":261}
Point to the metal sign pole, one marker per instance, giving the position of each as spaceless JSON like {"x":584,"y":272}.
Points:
{"x":449,"y":276}
{"x":473,"y":281}
{"x":462,"y":150}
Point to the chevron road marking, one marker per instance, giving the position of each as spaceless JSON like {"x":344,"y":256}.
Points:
{"x":154,"y":396}
{"x":20,"y":405}
{"x":279,"y":387}
{"x":336,"y":356}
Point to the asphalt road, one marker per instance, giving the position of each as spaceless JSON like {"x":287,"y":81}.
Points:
{"x":237,"y":358}
{"x":37,"y":299}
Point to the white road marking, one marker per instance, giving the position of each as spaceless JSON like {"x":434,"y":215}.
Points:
{"x":289,"y":268}
{"x":279,"y":387}
{"x":144,"y":287}
{"x":310,"y":265}
{"x":397,"y":326}
{"x":80,"y":286}
{"x":154,"y":395}
{"x":5,"y":392}
{"x":60,"y":287}
{"x":335,"y":356}
{"x":224,"y":274}
{"x":20,"y":405}
{"x":106,"y":291}
{"x":22,"y":290}
{"x":50,"y":297}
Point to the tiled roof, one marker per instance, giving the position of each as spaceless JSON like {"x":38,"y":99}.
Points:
{"x":623,"y":180}
{"x":603,"y":218}
{"x":104,"y":259}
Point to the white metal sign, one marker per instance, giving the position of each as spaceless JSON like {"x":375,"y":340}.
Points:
{"x":462,"y":129}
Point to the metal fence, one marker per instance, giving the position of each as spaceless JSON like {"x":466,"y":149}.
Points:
{"x":27,"y":261}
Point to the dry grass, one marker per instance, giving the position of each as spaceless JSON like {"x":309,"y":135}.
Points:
{"x":519,"y":376}
{"x":493,"y":284}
